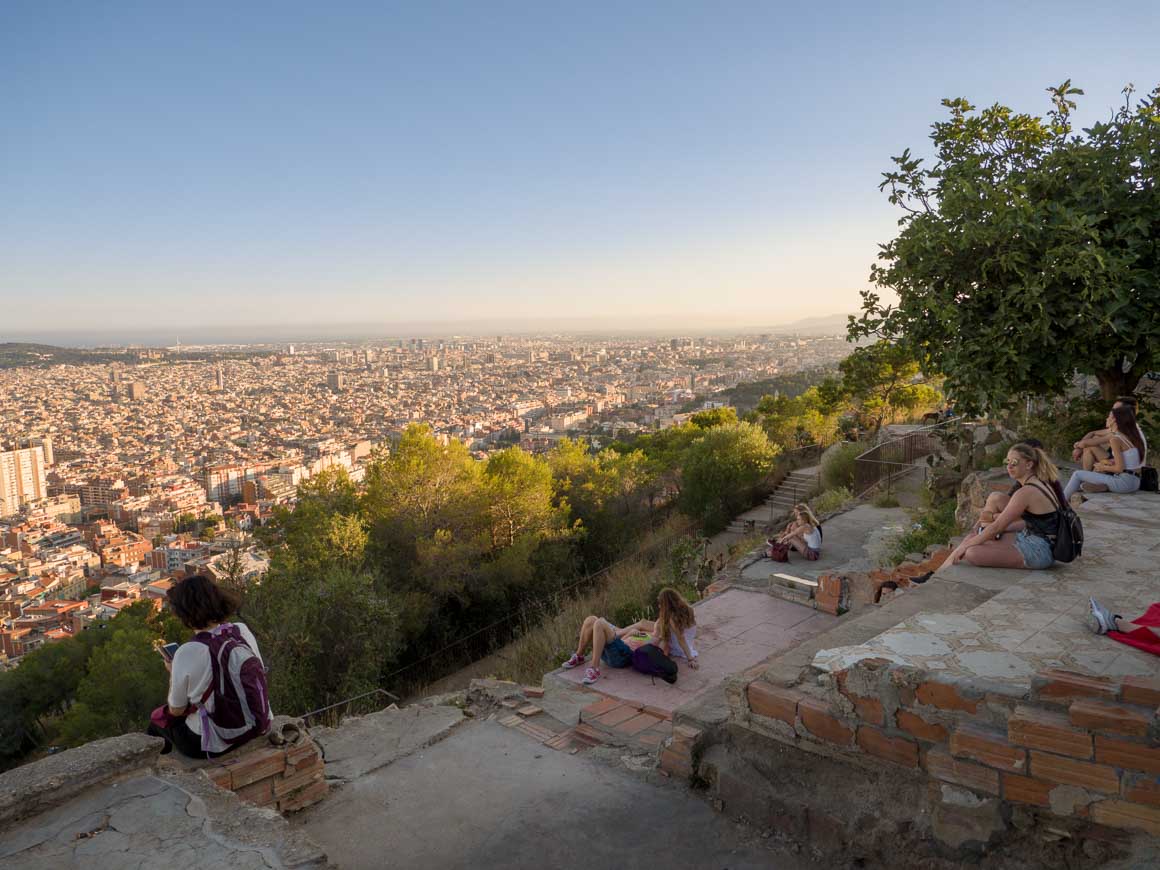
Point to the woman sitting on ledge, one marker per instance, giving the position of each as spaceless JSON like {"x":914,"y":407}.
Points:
{"x":1120,"y":473}
{"x":210,"y":712}
{"x":804,"y":534}
{"x":1035,"y":503}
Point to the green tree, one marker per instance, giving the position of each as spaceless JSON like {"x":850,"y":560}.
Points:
{"x":882,"y":380}
{"x":719,"y":467}
{"x":1026,"y":251}
{"x":714,"y":417}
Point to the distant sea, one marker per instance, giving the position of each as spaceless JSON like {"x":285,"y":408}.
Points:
{"x":168,"y":335}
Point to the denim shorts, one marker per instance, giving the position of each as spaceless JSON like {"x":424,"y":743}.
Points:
{"x":1036,"y":551}
{"x":617,"y":654}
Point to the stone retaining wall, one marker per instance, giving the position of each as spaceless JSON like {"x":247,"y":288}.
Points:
{"x":1075,"y":747}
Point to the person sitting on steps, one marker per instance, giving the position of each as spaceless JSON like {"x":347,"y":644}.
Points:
{"x":676,"y":618}
{"x":996,"y":501}
{"x":1036,"y":503}
{"x":1120,"y":473}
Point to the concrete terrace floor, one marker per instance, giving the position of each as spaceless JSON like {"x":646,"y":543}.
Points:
{"x":1036,"y":620}
{"x":736,"y":629}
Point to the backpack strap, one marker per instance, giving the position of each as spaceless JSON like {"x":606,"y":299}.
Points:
{"x":1048,"y":491}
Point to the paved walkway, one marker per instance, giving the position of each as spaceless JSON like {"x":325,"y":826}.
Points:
{"x":735,"y":631}
{"x":1036,"y":621}
{"x":491,"y":797}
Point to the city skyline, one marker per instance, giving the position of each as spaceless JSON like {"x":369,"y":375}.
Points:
{"x":672,"y":165}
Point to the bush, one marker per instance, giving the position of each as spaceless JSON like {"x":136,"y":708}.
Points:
{"x":936,"y":525}
{"x":885,"y":500}
{"x":838,"y":465}
{"x":831,"y":500}
{"x":1062,"y":424}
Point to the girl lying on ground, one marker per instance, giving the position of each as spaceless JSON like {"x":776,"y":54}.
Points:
{"x":1035,"y":503}
{"x":676,"y":620}
{"x":1143,"y":634}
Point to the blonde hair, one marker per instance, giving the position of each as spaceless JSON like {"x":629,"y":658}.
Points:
{"x":809,"y":514}
{"x":1041,"y":464}
{"x":673,"y":611}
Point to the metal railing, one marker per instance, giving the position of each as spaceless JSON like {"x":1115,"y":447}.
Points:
{"x":305,"y":717}
{"x":891,"y":459}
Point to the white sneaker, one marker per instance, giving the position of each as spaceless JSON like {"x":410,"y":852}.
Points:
{"x":1100,"y":620}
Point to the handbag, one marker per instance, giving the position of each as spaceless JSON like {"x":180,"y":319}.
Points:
{"x":778,"y":552}
{"x":1149,"y":480}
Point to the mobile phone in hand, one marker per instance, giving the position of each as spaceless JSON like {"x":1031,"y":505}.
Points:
{"x":167,"y":650}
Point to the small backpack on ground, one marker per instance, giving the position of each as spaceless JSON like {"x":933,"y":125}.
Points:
{"x":651,"y":660}
{"x":1149,"y":480}
{"x":778,"y":552}
{"x":241,"y":706}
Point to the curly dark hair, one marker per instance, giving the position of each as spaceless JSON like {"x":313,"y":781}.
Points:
{"x":199,"y":602}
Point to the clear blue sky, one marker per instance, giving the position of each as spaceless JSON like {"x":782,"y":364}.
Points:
{"x":306,"y":162}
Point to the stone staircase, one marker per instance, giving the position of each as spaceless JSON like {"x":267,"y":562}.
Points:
{"x":800,"y":485}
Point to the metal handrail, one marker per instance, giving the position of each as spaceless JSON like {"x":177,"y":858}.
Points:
{"x":870,"y":470}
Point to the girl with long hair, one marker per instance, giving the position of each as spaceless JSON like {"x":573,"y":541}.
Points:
{"x":1121,"y":472}
{"x":805,"y":534}
{"x":674,"y":631}
{"x":1036,"y":502}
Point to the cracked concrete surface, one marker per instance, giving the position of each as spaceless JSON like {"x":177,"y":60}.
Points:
{"x":150,"y":821}
{"x":366,"y":743}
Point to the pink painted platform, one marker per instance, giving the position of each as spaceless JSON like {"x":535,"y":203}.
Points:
{"x":735,"y":631}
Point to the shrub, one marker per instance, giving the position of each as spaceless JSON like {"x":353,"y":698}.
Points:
{"x":885,"y":500}
{"x":935,"y":525}
{"x":1063,"y":423}
{"x":831,"y":500}
{"x":838,"y":465}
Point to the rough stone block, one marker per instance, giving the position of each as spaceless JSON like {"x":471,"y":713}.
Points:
{"x":1026,"y":790}
{"x":284,"y":785}
{"x":260,"y":793}
{"x":916,"y":726}
{"x":942,"y":765}
{"x":819,"y":722}
{"x":260,"y":764}
{"x":1069,"y":771}
{"x":897,"y":750}
{"x":1048,"y":731}
{"x":1144,"y":691}
{"x":303,"y":798}
{"x":773,"y":702}
{"x":1098,"y":716}
{"x":1128,"y":755}
{"x":944,"y":696}
{"x":1121,"y":814}
{"x":988,"y":747}
{"x":1063,"y":686}
{"x":1141,"y":789}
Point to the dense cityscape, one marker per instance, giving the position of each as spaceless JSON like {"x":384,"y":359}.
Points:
{"x":117,"y":478}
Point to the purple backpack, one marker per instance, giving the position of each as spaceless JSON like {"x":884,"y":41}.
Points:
{"x":241,"y":706}
{"x":651,"y":660}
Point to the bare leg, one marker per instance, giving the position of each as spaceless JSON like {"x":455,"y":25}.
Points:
{"x":1090,"y":458}
{"x":602,"y":634}
{"x":798,"y":543}
{"x":1128,"y":627}
{"x":994,"y":554}
{"x":585,"y":634}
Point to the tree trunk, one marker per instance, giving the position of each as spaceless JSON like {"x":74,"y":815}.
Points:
{"x":1115,"y":382}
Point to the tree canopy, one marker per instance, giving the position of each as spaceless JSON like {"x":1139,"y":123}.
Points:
{"x":1027,"y":251}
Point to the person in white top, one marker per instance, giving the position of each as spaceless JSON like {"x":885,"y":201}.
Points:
{"x":805,"y":535}
{"x":1094,"y":447}
{"x":202,"y":606}
{"x":1120,"y":473}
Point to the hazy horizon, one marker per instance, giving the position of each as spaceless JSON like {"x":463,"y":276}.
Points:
{"x":659,"y":164}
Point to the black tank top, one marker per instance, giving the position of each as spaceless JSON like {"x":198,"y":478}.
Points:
{"x":1043,"y":525}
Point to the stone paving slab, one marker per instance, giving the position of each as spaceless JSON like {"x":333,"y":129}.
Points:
{"x":365,"y":743}
{"x":149,"y":821}
{"x":735,"y":630}
{"x":1037,"y":620}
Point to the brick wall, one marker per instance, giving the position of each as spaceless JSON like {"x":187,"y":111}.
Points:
{"x":1076,"y":746}
{"x":285,"y":778}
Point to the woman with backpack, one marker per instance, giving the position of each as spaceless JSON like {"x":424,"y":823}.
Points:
{"x":1036,"y":502}
{"x":676,"y":623}
{"x":217,"y":685}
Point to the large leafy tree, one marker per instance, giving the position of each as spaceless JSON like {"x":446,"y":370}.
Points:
{"x":719,"y":467}
{"x":882,"y":380}
{"x":1027,"y":252}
